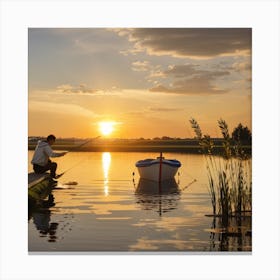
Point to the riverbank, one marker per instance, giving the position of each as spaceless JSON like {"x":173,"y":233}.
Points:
{"x":190,"y":146}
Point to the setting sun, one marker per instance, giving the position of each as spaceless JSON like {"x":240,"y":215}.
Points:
{"x":106,"y":128}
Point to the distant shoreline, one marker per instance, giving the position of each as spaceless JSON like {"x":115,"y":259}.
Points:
{"x":137,"y":147}
{"x":129,"y":148}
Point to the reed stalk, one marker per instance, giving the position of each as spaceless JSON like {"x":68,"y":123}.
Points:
{"x":229,"y":177}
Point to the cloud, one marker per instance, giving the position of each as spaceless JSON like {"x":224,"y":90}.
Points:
{"x":242,"y":66}
{"x":189,"y":42}
{"x":153,"y":71}
{"x":164,"y":109}
{"x":150,"y":111}
{"x":189,"y":79}
{"x":181,"y":71}
{"x":141,"y":66}
{"x":80,"y":89}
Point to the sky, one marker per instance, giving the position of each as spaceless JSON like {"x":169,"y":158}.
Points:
{"x":147,"y":82}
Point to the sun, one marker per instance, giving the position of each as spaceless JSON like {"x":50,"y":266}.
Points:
{"x":106,"y":127}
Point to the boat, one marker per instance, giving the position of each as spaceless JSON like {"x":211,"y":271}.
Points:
{"x":159,"y":169}
{"x":34,"y":178}
{"x":39,"y":187}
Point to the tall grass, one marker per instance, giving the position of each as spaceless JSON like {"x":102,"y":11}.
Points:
{"x":229,"y":176}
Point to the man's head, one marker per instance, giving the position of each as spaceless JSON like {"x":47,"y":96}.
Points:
{"x":51,"y":139}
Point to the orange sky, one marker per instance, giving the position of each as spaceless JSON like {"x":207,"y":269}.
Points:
{"x":149,"y":82}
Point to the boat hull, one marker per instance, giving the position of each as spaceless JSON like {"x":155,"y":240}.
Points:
{"x":157,"y":170}
{"x":39,"y":187}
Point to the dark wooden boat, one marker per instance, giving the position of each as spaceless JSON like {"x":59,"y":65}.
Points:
{"x":40,"y":186}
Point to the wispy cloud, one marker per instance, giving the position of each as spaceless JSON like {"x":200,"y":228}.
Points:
{"x":164,"y":109}
{"x":189,"y":79}
{"x":80,"y":89}
{"x":141,"y":66}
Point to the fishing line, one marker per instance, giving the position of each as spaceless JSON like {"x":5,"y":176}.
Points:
{"x":73,"y":149}
{"x":188,"y":185}
{"x":71,"y":167}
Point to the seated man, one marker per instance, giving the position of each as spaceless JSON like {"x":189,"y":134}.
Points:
{"x":41,"y":158}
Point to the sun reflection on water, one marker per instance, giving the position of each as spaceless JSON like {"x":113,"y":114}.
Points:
{"x":106,"y":162}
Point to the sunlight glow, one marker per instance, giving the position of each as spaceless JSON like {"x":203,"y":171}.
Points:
{"x":106,"y":161}
{"x":106,"y":128}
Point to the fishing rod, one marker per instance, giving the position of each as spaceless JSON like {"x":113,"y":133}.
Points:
{"x":73,"y":149}
{"x":79,"y":146}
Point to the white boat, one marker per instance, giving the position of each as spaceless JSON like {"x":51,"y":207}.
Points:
{"x":159,"y":169}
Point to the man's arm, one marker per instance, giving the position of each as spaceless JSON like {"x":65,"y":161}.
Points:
{"x":51,"y":153}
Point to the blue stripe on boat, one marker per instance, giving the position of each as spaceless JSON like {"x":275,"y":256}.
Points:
{"x":149,"y":162}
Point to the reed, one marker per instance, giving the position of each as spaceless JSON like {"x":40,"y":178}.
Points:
{"x":229,"y":176}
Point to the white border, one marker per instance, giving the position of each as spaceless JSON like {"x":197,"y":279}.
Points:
{"x":17,"y":16}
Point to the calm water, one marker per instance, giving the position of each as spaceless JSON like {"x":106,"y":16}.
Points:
{"x":112,"y":210}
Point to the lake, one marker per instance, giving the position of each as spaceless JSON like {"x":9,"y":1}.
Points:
{"x":112,"y":210}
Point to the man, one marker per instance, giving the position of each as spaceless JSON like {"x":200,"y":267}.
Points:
{"x":41,"y":158}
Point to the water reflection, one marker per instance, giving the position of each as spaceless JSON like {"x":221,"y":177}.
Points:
{"x":106,"y":162}
{"x":42,"y":221}
{"x":84,"y":219}
{"x":162,"y":197}
{"x":41,"y":216}
{"x":237,"y":236}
